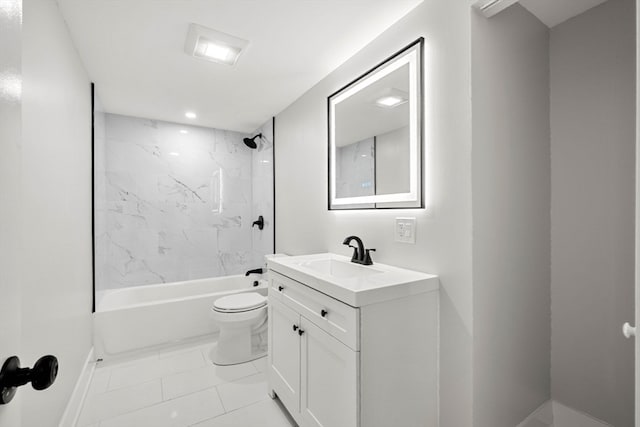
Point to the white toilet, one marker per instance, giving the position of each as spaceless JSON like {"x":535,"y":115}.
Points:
{"x":242,"y":319}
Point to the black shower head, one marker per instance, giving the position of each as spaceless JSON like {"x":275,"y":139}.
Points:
{"x":251,"y":142}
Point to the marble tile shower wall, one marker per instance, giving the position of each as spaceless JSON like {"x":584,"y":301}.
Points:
{"x":158,"y":215}
{"x":99,"y":199}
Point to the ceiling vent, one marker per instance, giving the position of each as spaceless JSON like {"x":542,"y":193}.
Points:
{"x":491,"y":7}
{"x":212,"y":45}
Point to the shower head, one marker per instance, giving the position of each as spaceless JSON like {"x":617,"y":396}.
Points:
{"x":251,"y":142}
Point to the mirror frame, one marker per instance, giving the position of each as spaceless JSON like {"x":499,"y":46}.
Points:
{"x":412,"y":55}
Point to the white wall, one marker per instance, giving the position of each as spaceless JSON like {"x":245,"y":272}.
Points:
{"x":511,"y":216}
{"x":304,"y":225}
{"x":10,"y":194}
{"x":56,"y":214}
{"x":592,"y":210}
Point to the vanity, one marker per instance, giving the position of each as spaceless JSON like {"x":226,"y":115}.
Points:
{"x":352,"y":345}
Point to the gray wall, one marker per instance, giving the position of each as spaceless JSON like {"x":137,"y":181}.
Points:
{"x":592,"y":210}
{"x":56,"y":209}
{"x":443,"y":245}
{"x":511,"y":220}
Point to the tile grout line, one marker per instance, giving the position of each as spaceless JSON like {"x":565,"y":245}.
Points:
{"x":163,"y":402}
{"x":162,"y":394}
{"x":159,"y":374}
{"x":126,"y":361}
{"x":129,"y":411}
{"x":242,"y":377}
{"x":109,"y":379}
{"x":203,"y":356}
{"x":221,"y":402}
{"x":230,"y":412}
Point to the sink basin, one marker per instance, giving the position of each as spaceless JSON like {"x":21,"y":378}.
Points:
{"x":354,"y":284}
{"x":339,"y":269}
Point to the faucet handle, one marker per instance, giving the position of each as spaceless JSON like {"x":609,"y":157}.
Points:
{"x":367,"y":257}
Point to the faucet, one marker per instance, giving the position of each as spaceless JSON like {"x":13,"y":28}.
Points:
{"x":254,"y":271}
{"x":360,"y":254}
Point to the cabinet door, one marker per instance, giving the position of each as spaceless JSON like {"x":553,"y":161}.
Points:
{"x":329,"y":383}
{"x":284,"y":354}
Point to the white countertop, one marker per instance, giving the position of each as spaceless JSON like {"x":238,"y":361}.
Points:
{"x":369,"y":285}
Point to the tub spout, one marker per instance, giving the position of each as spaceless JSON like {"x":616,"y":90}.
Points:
{"x":254,"y":271}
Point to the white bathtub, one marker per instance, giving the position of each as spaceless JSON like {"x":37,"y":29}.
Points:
{"x":137,"y":318}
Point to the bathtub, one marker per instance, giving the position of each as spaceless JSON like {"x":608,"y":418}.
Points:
{"x":127,"y":320}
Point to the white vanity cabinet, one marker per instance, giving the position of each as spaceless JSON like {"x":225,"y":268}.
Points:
{"x":314,"y":374}
{"x":335,"y":365}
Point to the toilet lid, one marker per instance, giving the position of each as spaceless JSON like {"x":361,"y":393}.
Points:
{"x":240,"y":302}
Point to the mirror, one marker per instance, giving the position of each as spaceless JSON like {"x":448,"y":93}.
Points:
{"x":375,"y":136}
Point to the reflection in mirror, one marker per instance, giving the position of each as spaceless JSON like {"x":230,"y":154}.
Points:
{"x":355,"y":169}
{"x":375,"y":136}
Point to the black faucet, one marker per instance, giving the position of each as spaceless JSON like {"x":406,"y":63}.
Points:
{"x":254,"y":271}
{"x":360,"y":254}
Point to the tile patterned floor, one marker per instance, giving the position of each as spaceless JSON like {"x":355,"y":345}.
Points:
{"x":180,"y":387}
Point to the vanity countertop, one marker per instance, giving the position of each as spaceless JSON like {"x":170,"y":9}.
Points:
{"x":351,"y":283}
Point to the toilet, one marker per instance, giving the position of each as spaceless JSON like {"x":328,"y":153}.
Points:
{"x":242,"y":319}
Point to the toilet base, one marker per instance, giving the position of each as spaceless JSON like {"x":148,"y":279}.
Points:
{"x":222,"y":362}
{"x":233,"y":348}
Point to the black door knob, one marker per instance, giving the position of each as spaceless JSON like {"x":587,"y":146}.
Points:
{"x":43,"y":374}
{"x":323,"y":312}
{"x":300,"y":332}
{"x":280,"y":288}
{"x":295,"y":328}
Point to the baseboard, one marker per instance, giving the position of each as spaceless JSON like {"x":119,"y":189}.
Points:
{"x":544,"y":415}
{"x":553,"y":413}
{"x":72,"y":411}
{"x":566,"y":416}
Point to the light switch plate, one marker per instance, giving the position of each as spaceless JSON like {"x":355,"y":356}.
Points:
{"x":405,"y":231}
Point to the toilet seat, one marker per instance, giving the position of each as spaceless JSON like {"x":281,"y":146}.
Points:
{"x":239,"y":302}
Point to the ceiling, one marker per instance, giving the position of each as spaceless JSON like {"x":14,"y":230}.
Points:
{"x":554,"y":12}
{"x":358,"y":117}
{"x":133,"y":51}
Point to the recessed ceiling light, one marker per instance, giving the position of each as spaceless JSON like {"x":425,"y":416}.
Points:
{"x":390,"y":101}
{"x":391,"y":98}
{"x":184,"y":131}
{"x":213,"y":45}
{"x":190,"y":115}
{"x":173,"y":153}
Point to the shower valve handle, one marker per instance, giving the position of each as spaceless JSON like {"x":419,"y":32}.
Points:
{"x":259,"y":223}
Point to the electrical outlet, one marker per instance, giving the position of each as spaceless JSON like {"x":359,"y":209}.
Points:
{"x":405,"y":231}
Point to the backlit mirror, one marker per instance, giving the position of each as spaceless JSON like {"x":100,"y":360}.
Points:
{"x":375,"y":136}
